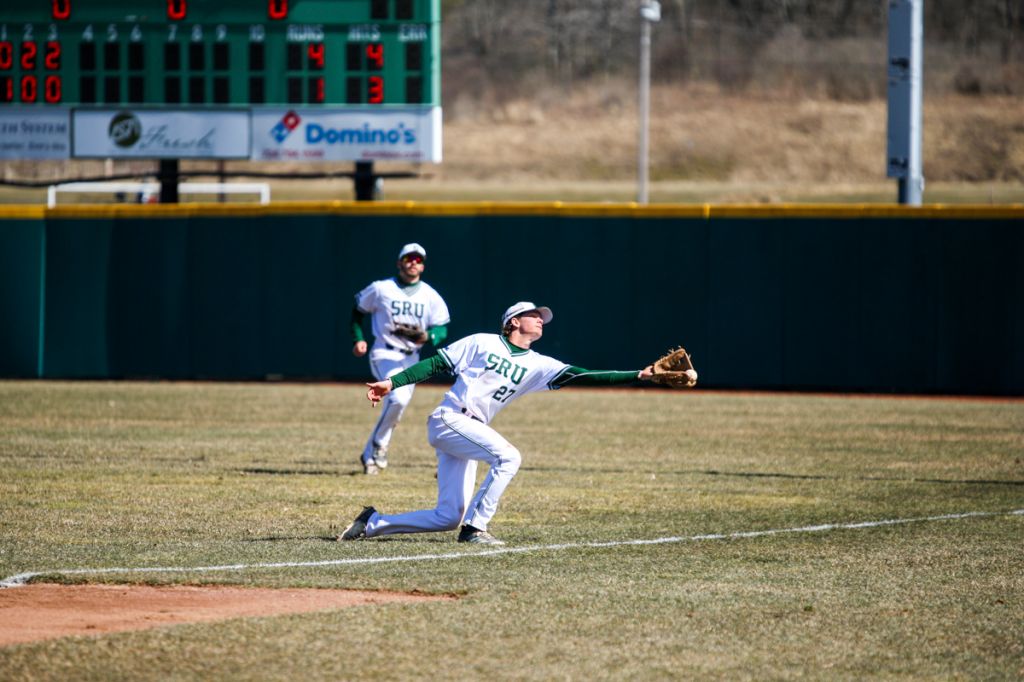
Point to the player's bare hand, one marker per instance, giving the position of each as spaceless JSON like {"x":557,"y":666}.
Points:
{"x":359,"y":349}
{"x":376,"y":391}
{"x":645,"y":373}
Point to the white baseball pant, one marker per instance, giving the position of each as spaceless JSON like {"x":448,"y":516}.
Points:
{"x":384,"y":365}
{"x":461,"y":442}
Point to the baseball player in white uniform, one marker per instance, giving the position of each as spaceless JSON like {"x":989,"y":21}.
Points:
{"x":492,"y":371}
{"x":406,"y":312}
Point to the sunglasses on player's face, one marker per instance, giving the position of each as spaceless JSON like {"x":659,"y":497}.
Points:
{"x":412,"y":258}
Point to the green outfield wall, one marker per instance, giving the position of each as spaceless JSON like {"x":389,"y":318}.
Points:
{"x":926,"y":300}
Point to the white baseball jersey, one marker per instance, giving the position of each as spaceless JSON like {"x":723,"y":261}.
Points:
{"x":491,"y":373}
{"x":388,"y":303}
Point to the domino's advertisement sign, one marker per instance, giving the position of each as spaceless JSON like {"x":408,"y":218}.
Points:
{"x":34,"y":134}
{"x":347,"y":135}
{"x":140,"y":133}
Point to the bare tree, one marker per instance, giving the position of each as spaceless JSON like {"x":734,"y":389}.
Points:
{"x":569,"y":40}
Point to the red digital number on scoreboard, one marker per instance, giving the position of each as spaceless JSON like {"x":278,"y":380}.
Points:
{"x":61,"y":9}
{"x":277,"y":9}
{"x":177,"y":9}
{"x":29,"y":89}
{"x":374,"y":56}
{"x":52,"y":59}
{"x":376,"y":90}
{"x":315,"y":51}
{"x":26,"y":89}
{"x":52,"y":90}
{"x":29,"y":51}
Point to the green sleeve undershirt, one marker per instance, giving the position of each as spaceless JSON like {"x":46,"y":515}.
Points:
{"x":357,"y":325}
{"x":577,"y":376}
{"x":438,"y":334}
{"x":421,"y":371}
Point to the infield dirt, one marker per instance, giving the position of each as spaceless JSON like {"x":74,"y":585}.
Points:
{"x":46,"y":611}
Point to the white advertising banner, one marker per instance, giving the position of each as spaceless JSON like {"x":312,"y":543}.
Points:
{"x":347,"y":134}
{"x":151,"y":134}
{"x":34,"y":133}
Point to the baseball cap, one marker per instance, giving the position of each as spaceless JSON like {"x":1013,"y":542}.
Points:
{"x":412,"y":248}
{"x":525,"y":307}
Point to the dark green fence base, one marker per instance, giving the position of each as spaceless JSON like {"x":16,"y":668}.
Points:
{"x":893,"y":304}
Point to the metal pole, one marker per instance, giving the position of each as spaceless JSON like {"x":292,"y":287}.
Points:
{"x":650,"y":12}
{"x":221,"y":178}
{"x":916,"y":179}
{"x":168,"y":177}
{"x":905,"y":72}
{"x":367,"y":183}
{"x":643,"y":108}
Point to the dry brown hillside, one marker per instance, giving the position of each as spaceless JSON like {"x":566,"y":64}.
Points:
{"x":700,"y":133}
{"x":741,"y":147}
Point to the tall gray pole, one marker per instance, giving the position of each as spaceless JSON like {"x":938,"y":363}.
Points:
{"x":650,"y":12}
{"x":905,"y":71}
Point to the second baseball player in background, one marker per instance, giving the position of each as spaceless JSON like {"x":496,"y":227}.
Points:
{"x":406,"y":312}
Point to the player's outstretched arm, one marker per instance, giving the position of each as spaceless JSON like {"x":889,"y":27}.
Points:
{"x":578,"y":376}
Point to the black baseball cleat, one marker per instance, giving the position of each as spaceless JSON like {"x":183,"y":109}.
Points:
{"x":477,"y":536}
{"x":357,"y":529}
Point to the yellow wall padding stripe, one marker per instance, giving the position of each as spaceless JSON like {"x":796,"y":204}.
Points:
{"x":513,"y":208}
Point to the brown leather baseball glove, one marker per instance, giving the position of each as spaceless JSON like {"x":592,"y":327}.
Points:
{"x":675,"y":370}
{"x":413,"y":332}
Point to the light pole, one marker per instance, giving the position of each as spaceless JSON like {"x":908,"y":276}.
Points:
{"x":650,"y":12}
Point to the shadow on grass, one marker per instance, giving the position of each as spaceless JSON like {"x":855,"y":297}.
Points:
{"x":945,"y":481}
{"x":268,"y":471}
{"x":414,"y":537}
{"x":776,"y":474}
{"x":706,"y":472}
{"x":296,"y":472}
{"x":292,"y":538}
{"x":435,"y":538}
{"x":417,"y":538}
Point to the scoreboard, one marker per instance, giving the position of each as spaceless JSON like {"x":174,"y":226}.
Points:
{"x":219,"y":52}
{"x":196,"y":56}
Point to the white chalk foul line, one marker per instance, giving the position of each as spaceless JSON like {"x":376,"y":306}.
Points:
{"x":23,"y":578}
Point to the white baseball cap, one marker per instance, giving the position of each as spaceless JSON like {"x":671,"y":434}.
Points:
{"x":525,"y":307}
{"x":412,"y":248}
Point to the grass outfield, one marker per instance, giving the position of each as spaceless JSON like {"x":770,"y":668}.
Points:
{"x":126,"y":475}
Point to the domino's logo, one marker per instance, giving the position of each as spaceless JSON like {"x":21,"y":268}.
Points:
{"x":285,"y":126}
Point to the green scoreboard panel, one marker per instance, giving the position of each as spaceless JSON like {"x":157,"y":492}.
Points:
{"x":196,"y":54}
